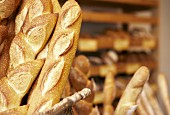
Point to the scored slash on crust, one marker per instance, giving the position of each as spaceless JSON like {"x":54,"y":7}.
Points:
{"x":70,"y":16}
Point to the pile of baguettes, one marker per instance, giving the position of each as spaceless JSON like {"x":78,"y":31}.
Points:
{"x":38,"y":39}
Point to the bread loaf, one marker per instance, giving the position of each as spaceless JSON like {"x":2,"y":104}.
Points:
{"x":34,"y":25}
{"x":109,"y":93}
{"x":17,"y":83}
{"x":153,"y":100}
{"x":21,"y":110}
{"x":7,"y":7}
{"x":62,"y":48}
{"x":163,"y":90}
{"x":127,"y":103}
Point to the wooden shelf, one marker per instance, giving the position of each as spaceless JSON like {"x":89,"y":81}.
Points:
{"x":151,"y":3}
{"x":118,"y":44}
{"x":128,"y":68}
{"x":107,"y":17}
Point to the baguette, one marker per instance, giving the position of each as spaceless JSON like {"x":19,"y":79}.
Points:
{"x":141,"y":110}
{"x":16,"y":85}
{"x":109,"y":94}
{"x":31,"y":38}
{"x":21,"y":110}
{"x":163,"y":91}
{"x":154,"y":102}
{"x":62,"y":48}
{"x":132,"y":92}
{"x":146,"y":103}
{"x":7,"y":7}
{"x":33,"y":35}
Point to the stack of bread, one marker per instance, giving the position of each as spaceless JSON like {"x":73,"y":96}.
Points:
{"x":40,"y":55}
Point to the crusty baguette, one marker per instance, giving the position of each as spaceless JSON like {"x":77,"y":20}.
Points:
{"x":31,"y":36}
{"x":163,"y":92}
{"x":141,"y":110}
{"x":7,"y":7}
{"x":153,"y":100}
{"x":44,"y":52}
{"x":61,"y":52}
{"x":39,"y":22}
{"x":21,"y":110}
{"x":134,"y":88}
{"x":109,"y":93}
{"x":16,"y":85}
{"x":109,"y":88}
{"x":146,"y":103}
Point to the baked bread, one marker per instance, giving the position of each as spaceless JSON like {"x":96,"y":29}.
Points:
{"x":7,"y":36}
{"x":3,"y":35}
{"x":127,"y":103}
{"x":62,"y":48}
{"x":35,"y":27}
{"x":153,"y":100}
{"x":163,"y":91}
{"x":7,"y":7}
{"x":21,"y":110}
{"x":146,"y":103}
{"x":109,"y":93}
{"x":17,"y":83}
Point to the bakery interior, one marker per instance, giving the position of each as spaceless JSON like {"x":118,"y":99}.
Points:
{"x":122,"y":56}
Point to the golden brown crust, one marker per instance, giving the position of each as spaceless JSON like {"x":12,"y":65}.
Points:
{"x":129,"y":98}
{"x":163,"y":91}
{"x":7,"y":7}
{"x":109,"y":93}
{"x":83,"y":107}
{"x":108,"y":110}
{"x":16,"y":85}
{"x":109,"y":89}
{"x":34,"y":31}
{"x":21,"y":110}
{"x":57,"y":60}
{"x":3,"y":36}
{"x":8,"y":35}
{"x":82,"y":63}
{"x":78,"y":76}
{"x":153,"y":100}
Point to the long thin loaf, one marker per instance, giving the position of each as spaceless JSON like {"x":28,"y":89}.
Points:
{"x":127,"y":103}
{"x":34,"y":25}
{"x":62,"y":48}
{"x":163,"y":89}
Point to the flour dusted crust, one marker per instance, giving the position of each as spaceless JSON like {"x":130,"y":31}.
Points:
{"x":61,"y":51}
{"x":52,"y":76}
{"x":127,"y":103}
{"x":34,"y":25}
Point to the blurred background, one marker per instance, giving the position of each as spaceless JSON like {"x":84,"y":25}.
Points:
{"x":164,"y":37}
